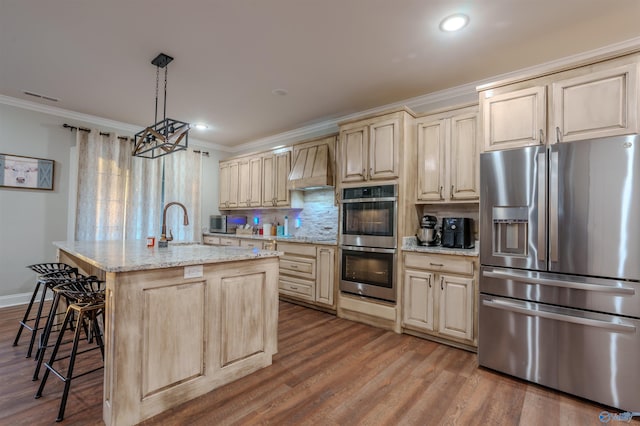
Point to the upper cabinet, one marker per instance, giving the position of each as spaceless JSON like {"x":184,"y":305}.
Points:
{"x":370,"y":148}
{"x":598,"y":104}
{"x":229,"y":173}
{"x":515,"y":119}
{"x":587,"y":102}
{"x":448,"y":156}
{"x":276,"y":167}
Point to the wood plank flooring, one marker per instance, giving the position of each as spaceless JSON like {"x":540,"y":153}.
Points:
{"x":328,"y":371}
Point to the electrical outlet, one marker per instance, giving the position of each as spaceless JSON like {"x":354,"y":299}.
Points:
{"x":195,"y":271}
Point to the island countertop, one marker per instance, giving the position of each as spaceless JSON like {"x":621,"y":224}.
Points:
{"x":134,"y":255}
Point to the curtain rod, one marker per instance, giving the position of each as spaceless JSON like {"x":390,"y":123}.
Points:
{"x":124,"y":138}
{"x":82,"y":129}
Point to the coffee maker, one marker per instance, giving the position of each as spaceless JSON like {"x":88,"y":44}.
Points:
{"x":457,"y":232}
{"x":427,"y":234}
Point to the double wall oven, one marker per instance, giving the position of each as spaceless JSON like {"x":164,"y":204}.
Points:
{"x":368,"y":241}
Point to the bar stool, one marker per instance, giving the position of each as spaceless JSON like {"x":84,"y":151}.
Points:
{"x":55,"y":280}
{"x":42,"y":284}
{"x":88,"y":307}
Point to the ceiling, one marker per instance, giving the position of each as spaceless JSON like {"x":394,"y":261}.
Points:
{"x":332,"y":57}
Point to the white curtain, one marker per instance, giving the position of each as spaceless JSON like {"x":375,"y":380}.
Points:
{"x":144,"y":206}
{"x":103,"y":169}
{"x":121,"y":197}
{"x":182,"y":184}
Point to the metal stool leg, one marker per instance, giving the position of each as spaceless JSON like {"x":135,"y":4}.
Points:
{"x":44,"y":337}
{"x":67,"y":318}
{"x":25,"y":319}
{"x":83,"y":315}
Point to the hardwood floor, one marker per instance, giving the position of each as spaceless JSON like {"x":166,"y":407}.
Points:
{"x":328,"y":371}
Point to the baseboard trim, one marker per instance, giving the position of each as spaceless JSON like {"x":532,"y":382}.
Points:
{"x":16,"y":299}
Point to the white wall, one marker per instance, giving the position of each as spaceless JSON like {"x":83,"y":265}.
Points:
{"x":30,"y":220}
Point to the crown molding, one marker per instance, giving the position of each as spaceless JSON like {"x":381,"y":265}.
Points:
{"x":94,"y":120}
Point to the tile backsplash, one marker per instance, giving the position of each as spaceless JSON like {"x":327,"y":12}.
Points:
{"x":318,"y":218}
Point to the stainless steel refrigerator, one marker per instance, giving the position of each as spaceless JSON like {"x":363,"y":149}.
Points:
{"x":560,"y":267}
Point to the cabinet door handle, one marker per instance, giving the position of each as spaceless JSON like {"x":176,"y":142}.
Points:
{"x":451,"y":192}
{"x":364,"y":174}
{"x":441,"y":188}
{"x":558,"y":134}
{"x":436,"y":264}
{"x":370,"y":172}
{"x":441,"y":283}
{"x":541,"y":137}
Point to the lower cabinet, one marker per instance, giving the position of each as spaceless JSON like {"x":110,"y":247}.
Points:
{"x":242,"y":242}
{"x":307,"y":273}
{"x":439,"y":295}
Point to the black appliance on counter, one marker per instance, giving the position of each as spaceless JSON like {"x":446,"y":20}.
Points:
{"x":457,"y":232}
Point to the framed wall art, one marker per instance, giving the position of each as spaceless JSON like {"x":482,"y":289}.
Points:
{"x":26,"y":172}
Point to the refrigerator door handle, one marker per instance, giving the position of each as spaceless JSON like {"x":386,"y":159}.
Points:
{"x":553,"y":205}
{"x":517,"y":308}
{"x":559,"y":283}
{"x":542,"y":206}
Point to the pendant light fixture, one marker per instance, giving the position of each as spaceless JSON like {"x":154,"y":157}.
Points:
{"x":167,"y":135}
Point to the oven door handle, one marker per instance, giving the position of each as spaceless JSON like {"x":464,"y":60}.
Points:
{"x":559,"y":283}
{"x":513,"y":307}
{"x":368,"y":249}
{"x":369,"y":200}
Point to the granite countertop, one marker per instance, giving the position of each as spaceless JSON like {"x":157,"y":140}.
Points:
{"x":411,"y":244}
{"x":288,"y":239}
{"x":118,"y":256}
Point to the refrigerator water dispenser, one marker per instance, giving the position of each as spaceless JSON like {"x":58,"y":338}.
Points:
{"x":510,"y":231}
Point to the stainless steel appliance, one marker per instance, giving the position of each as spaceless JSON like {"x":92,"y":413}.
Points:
{"x":368,"y":241}
{"x":560,"y":274}
{"x":427,"y":235}
{"x":226,"y":224}
{"x":369,"y":215}
{"x":457,"y":232}
{"x":368,"y":271}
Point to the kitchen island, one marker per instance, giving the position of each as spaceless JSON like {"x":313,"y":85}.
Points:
{"x":179,"y":321}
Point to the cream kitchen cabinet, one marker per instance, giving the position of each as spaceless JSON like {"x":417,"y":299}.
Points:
{"x":439,"y":295}
{"x":250,"y":182}
{"x":586,"y":102}
{"x":258,"y":244}
{"x":370,"y":149}
{"x":210,"y":240}
{"x":228,"y":181}
{"x":307,"y":273}
{"x":325,"y":275}
{"x":514,"y":119}
{"x":275,"y":174}
{"x":448,"y":156}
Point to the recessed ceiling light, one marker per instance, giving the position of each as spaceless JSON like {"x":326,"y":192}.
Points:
{"x":200,"y":126}
{"x":280,"y":92}
{"x":454,"y":22}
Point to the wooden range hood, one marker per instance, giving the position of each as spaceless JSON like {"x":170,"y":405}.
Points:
{"x":312,"y":166}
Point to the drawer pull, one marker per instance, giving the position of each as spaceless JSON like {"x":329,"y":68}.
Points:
{"x":294,"y":287}
{"x":293,"y":266}
{"x":436,"y":264}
